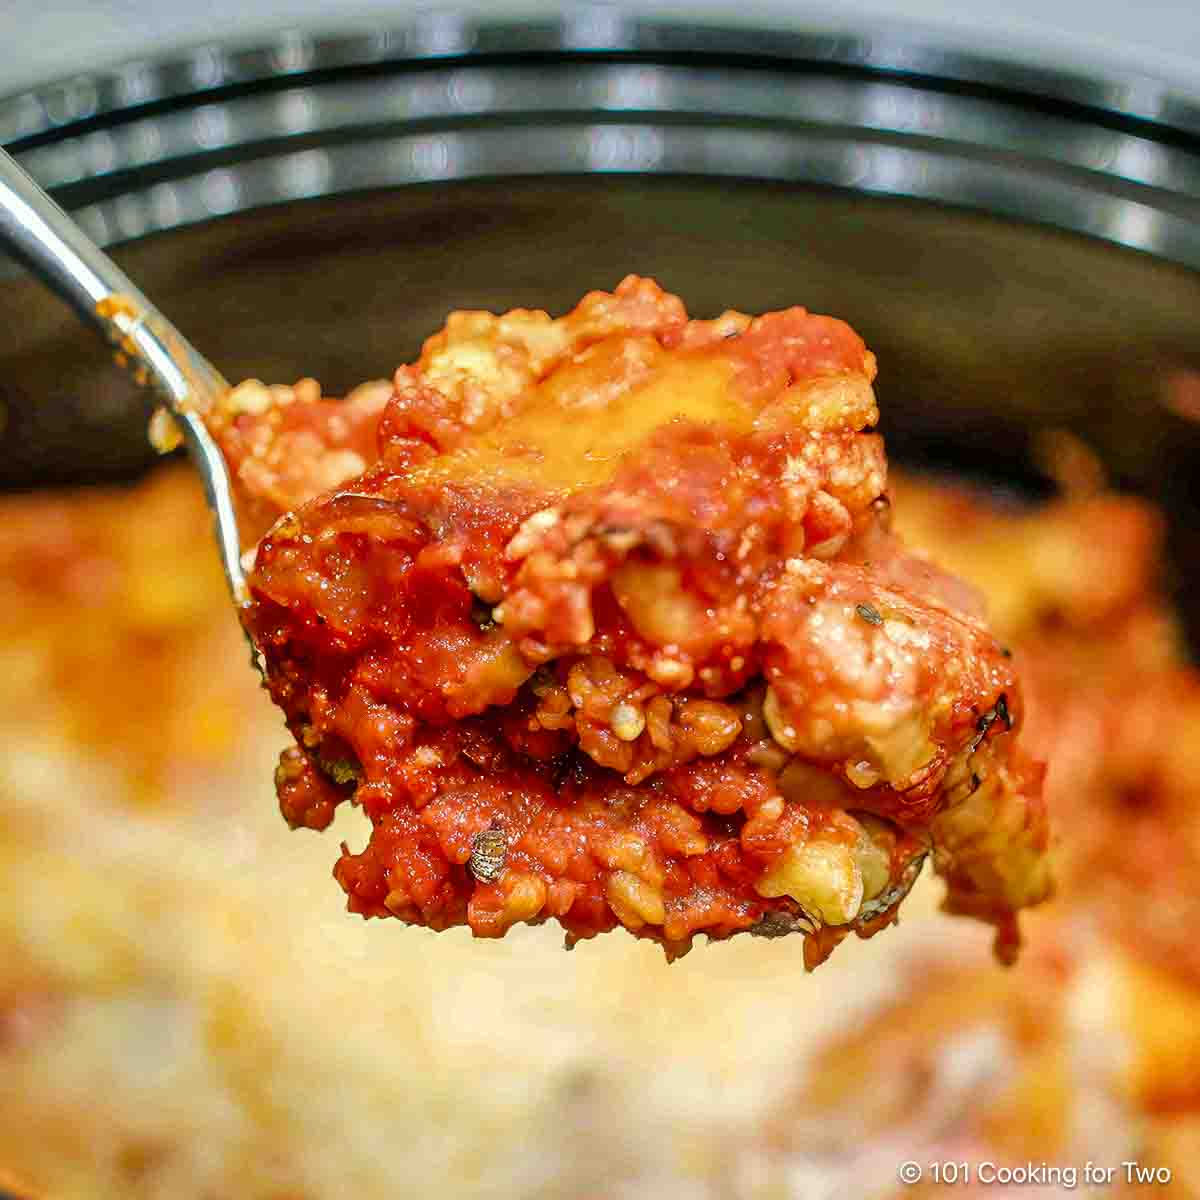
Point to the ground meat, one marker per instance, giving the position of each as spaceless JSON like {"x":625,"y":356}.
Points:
{"x":618,"y":592}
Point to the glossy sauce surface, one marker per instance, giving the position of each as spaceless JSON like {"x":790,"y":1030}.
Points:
{"x":613,"y":631}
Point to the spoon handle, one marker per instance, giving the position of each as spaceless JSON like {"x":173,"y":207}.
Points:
{"x":59,"y":253}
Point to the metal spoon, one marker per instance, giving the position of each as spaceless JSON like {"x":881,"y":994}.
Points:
{"x":59,"y":253}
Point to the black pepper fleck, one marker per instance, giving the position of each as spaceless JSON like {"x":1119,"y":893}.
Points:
{"x":869,"y":613}
{"x":981,"y":727}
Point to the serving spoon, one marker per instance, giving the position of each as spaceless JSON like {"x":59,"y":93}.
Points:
{"x":63,"y":257}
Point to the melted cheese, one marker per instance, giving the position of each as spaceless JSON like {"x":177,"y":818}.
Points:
{"x":578,"y":425}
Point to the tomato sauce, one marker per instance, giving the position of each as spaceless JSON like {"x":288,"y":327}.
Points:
{"x":608,"y":626}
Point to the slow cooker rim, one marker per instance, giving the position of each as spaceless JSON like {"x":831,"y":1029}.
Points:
{"x":208,"y":70}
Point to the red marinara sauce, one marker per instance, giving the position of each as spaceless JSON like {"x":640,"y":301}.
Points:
{"x":608,"y":626}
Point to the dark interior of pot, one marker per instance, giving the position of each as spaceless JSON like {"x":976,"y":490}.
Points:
{"x":988,"y":331}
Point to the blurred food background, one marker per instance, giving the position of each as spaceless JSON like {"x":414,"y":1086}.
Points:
{"x":1006,"y":207}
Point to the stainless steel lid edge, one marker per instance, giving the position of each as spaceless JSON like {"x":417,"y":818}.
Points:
{"x":442,"y":106}
{"x":445,"y":34}
{"x":451,"y":95}
{"x":481,"y":117}
{"x":874,"y":166}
